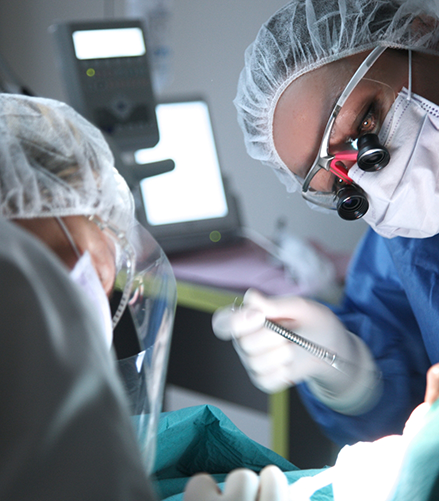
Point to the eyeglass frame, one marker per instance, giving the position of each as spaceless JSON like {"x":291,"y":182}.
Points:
{"x":324,"y":160}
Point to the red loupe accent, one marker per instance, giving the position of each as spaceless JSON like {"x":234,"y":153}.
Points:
{"x":341,"y":171}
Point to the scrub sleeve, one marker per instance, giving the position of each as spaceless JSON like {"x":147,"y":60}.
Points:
{"x":392,"y":302}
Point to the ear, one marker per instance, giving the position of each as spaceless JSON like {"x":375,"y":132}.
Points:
{"x":423,"y":25}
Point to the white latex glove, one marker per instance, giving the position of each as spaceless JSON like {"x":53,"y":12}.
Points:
{"x":274,"y":363}
{"x":240,"y":485}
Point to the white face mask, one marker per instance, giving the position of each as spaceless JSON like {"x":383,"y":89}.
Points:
{"x":404,"y":196}
{"x":86,"y":277}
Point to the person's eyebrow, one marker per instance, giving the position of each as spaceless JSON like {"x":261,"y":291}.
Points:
{"x":333,"y":107}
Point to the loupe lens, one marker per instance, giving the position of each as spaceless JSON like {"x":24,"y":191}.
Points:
{"x":351,"y":203}
{"x":372,"y":156}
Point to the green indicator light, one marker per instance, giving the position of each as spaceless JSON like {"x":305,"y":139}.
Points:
{"x":91,"y":72}
{"x":215,"y":236}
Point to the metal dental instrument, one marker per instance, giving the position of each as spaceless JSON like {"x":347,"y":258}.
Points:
{"x":329,"y":357}
{"x":318,"y":351}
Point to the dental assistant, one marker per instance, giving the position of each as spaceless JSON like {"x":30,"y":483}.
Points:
{"x":323,"y":84}
{"x":65,"y":431}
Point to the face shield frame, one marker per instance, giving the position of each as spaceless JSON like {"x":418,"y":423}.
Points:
{"x":149,"y":297}
{"x":124,"y":253}
{"x":347,"y":198}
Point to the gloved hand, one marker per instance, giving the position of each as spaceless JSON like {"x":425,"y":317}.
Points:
{"x":240,"y":485}
{"x":274,"y":363}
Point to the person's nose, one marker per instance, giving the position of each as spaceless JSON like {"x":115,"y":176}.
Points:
{"x":346,"y":158}
{"x":342,"y":162}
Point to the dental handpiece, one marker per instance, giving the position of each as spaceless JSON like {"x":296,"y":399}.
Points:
{"x":317,"y":350}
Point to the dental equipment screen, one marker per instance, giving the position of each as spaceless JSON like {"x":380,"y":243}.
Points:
{"x":194,"y":189}
{"x":105,"y":68}
{"x":101,"y":44}
{"x":191,"y":198}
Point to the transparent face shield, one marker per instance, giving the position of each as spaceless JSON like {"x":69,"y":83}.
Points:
{"x":354,"y":125}
{"x":146,"y":297}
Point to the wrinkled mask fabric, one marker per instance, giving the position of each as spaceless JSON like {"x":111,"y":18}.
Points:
{"x":84,"y":275}
{"x":404,"y":197}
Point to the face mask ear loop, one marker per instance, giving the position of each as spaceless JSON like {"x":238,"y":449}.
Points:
{"x":68,"y":236}
{"x":409,"y":94}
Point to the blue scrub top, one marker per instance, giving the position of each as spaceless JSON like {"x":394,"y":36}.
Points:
{"x":392,"y":302}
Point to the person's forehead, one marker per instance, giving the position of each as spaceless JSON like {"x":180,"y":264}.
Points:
{"x":302,"y":112}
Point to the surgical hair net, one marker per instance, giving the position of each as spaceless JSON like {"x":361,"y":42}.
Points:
{"x":306,"y":34}
{"x":53,"y":162}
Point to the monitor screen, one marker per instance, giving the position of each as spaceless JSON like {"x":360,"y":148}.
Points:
{"x":108,"y":43}
{"x":106,"y":72}
{"x":193,"y":190}
{"x":188,"y":206}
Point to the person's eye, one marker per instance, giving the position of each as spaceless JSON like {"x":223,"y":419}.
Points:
{"x":369,"y":122}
